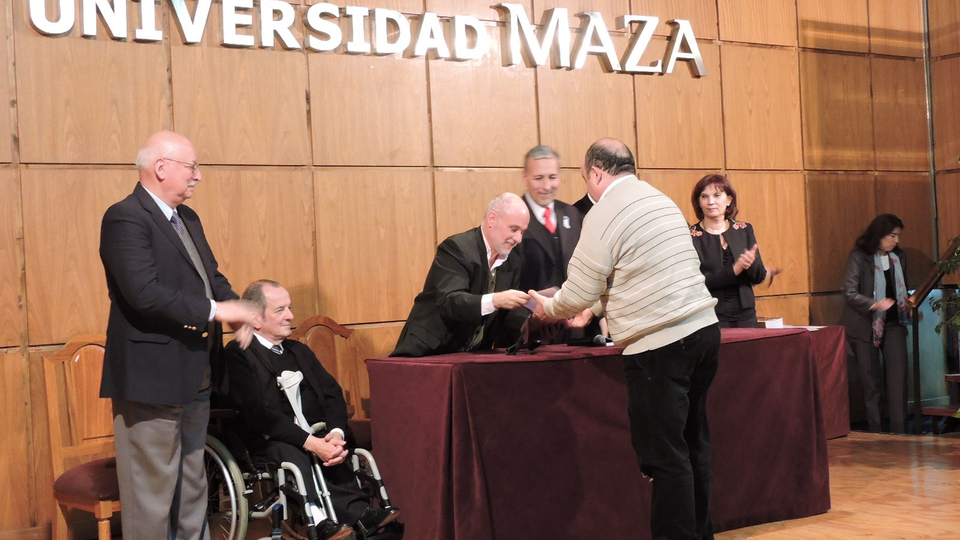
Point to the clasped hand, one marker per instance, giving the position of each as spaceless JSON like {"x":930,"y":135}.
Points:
{"x":331,"y":450}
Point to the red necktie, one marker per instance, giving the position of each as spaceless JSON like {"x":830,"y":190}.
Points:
{"x":548,"y":222}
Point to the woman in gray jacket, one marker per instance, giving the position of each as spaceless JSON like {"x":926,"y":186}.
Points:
{"x":876,"y":314}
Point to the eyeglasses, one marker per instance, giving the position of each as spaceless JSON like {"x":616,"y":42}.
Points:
{"x":192,"y":166}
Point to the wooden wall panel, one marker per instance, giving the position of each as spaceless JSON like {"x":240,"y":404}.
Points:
{"x":484,"y":114}
{"x":826,"y":309}
{"x":40,"y":463}
{"x":242,"y":107}
{"x":482,"y":9}
{"x":761,"y":108}
{"x":793,"y":309}
{"x":946,"y":110}
{"x":609,"y":9}
{"x":572,"y":188}
{"x":837,"y":114}
{"x":771,"y":22}
{"x":910,"y":197}
{"x":839,"y":208}
{"x":62,"y":211}
{"x":10,"y":231}
{"x":840,"y":26}
{"x":463,"y":195}
{"x":702,"y":14}
{"x":260,"y":224}
{"x":948,"y":211}
{"x":372,"y":123}
{"x":580,"y":106}
{"x":944,"y":27}
{"x":375,"y":241}
{"x":678,"y":185}
{"x":775,"y":204}
{"x":87,"y":101}
{"x":7,"y":86}
{"x":679,"y":117}
{"x":896,"y":27}
{"x":15,"y":507}
{"x":369,"y":341}
{"x":900,"y":115}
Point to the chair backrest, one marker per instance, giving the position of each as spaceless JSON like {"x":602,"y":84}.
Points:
{"x":80,"y":421}
{"x":320,"y":333}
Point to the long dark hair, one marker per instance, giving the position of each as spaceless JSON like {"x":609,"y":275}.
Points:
{"x":725,"y":186}
{"x":882,"y":225}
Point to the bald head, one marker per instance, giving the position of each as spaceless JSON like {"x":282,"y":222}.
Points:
{"x":610,"y":156}
{"x":505,"y":222}
{"x":167,"y":164}
{"x":606,"y":161}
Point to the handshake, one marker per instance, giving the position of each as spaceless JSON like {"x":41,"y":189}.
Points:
{"x":534,"y":300}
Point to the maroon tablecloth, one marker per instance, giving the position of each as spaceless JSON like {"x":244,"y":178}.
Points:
{"x":489,"y":446}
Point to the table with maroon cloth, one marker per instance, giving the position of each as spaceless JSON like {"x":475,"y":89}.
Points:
{"x":537,"y":445}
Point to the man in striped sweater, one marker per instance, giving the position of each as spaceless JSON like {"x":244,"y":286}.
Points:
{"x":636,"y":264}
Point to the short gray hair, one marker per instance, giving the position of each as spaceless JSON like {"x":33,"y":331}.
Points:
{"x":503,"y":202}
{"x":254,"y":292}
{"x":541,"y":151}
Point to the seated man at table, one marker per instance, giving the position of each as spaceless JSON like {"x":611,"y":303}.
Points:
{"x":470,"y":299}
{"x":269,"y":417}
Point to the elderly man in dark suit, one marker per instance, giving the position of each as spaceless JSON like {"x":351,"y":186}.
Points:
{"x":167,"y":300}
{"x":268,"y":417}
{"x":470,"y":299}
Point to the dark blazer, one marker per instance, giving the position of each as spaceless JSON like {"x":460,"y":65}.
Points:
{"x":583,"y":205}
{"x":158,"y":346}
{"x":739,"y":237}
{"x":447,"y":313}
{"x":540,"y":266}
{"x":857,"y":290}
{"x":254,"y":392}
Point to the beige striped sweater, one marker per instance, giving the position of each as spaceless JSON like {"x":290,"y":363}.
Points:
{"x":636,"y":257}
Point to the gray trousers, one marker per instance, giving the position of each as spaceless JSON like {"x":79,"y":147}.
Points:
{"x":163,"y":486}
{"x":889,"y":378}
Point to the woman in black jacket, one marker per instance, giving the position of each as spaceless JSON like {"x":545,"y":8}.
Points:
{"x":876,"y":313}
{"x":729,"y":257}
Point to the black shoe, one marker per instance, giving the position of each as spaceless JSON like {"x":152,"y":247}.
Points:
{"x":328,"y":530}
{"x":375,"y":518}
{"x":950,"y":424}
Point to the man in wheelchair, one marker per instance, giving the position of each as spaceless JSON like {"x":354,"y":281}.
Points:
{"x":271,"y":420}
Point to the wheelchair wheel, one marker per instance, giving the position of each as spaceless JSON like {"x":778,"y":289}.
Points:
{"x":227,"y":512}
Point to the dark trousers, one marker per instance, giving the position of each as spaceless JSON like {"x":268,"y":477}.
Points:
{"x":893,"y":372}
{"x":667,"y":405}
{"x":348,"y":500}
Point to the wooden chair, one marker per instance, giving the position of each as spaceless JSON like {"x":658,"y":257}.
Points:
{"x":320,"y":333}
{"x":81,"y":434}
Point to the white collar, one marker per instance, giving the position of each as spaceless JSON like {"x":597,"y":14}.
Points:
{"x":537,"y":209}
{"x":164,"y":207}
{"x":500,"y":258}
{"x":266,"y":342}
{"x":614,"y":184}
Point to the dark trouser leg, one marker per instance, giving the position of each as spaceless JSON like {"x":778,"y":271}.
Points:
{"x":894,"y":347}
{"x":666,"y":391}
{"x":871,"y":378}
{"x":349,"y":501}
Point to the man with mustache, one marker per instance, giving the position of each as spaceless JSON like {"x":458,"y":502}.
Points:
{"x":164,"y":342}
{"x":470,"y":299}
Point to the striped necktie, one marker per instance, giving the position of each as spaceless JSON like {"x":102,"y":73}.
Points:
{"x":276,"y":349}
{"x":177,"y":224}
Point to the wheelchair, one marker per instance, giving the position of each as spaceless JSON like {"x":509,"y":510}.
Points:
{"x":242,"y":488}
